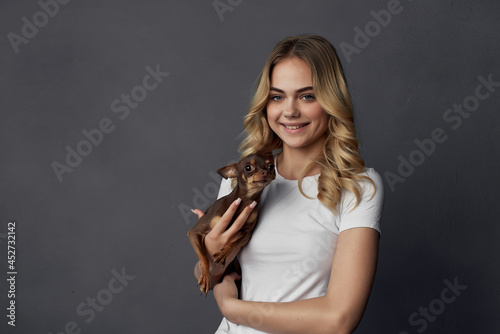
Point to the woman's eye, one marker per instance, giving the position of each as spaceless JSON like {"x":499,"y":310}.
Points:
{"x":308,"y":97}
{"x":276,"y":98}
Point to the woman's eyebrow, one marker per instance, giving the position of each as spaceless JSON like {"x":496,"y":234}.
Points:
{"x":298,"y":90}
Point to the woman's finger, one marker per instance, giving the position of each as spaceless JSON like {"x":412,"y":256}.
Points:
{"x":234,"y":276}
{"x":240,"y":221}
{"x":198,"y":212}
{"x":221,"y":225}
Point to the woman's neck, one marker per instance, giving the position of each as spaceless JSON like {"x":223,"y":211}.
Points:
{"x":290,"y":162}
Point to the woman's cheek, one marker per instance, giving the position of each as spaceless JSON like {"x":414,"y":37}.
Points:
{"x":272,"y":118}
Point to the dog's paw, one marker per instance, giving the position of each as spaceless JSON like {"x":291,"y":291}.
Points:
{"x":204,"y":283}
{"x":220,"y":257}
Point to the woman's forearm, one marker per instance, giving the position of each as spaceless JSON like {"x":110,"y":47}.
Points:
{"x":316,"y":315}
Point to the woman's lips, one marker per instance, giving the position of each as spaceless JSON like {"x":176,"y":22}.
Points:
{"x":294,"y":127}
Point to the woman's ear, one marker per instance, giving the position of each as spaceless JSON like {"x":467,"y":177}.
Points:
{"x":229,"y":171}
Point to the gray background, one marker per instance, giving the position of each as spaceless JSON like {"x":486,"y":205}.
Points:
{"x":122,"y":206}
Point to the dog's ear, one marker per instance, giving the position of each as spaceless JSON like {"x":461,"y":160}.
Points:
{"x":229,"y":171}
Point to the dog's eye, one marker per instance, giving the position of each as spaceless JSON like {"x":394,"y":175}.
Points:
{"x":270,"y":167}
{"x":248,"y":168}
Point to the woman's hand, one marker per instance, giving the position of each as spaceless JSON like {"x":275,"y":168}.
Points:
{"x":226,"y":292}
{"x":219,"y":237}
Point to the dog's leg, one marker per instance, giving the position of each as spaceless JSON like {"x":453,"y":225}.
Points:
{"x":196,"y":240}
{"x":240,"y":240}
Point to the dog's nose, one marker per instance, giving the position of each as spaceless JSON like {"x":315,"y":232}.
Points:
{"x":263,"y":172}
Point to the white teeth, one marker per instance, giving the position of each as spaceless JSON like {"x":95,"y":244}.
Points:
{"x":294,"y":127}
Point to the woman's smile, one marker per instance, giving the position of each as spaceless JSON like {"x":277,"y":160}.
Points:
{"x":294,"y":126}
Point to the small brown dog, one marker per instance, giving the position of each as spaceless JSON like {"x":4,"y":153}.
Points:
{"x":253,"y":173}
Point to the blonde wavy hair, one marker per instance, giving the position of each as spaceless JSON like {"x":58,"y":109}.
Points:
{"x":340,"y":161}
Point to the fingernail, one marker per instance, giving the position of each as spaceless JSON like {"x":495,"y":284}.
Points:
{"x":253,"y":204}
{"x":192,"y":210}
{"x":238,"y":201}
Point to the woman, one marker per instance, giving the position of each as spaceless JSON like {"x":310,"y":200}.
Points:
{"x":310,"y":264}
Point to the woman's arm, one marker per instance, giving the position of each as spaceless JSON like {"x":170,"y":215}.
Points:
{"x":339,"y":311}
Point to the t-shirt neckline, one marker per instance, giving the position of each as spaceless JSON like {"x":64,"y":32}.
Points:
{"x":278,"y":175}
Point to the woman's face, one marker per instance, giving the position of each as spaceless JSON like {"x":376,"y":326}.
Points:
{"x":293,"y":112}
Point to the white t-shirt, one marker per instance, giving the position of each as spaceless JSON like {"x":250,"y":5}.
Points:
{"x":290,"y":254}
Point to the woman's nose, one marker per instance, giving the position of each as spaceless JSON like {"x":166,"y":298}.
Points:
{"x":291,"y":110}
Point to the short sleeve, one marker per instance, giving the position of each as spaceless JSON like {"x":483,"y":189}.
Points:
{"x":369,"y":210}
{"x":225,"y":188}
